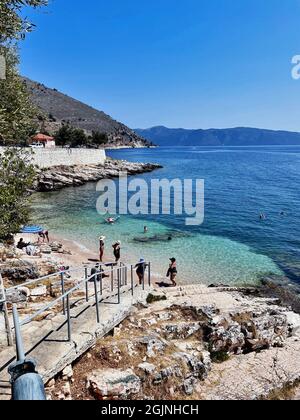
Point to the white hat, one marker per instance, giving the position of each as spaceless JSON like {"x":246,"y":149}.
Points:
{"x":118,"y":242}
{"x":102,"y":238}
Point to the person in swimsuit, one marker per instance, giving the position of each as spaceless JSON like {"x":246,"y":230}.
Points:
{"x":140,"y":270}
{"x":101,"y":247}
{"x":110,"y":220}
{"x":172,"y":272}
{"x":117,"y":251}
{"x":44,"y":235}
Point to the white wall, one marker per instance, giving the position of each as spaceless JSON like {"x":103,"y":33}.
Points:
{"x":47,"y":158}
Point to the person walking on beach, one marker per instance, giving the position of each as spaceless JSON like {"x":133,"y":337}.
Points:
{"x":117,"y":251}
{"x":101,"y":247}
{"x":172,"y":272}
{"x":140,"y":270}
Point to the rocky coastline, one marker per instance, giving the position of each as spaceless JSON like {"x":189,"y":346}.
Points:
{"x":60,"y":177}
{"x":189,"y":342}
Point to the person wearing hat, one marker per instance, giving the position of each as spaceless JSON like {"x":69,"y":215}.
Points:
{"x":140,"y":270}
{"x":117,"y":251}
{"x":101,"y":247}
{"x":172,"y":272}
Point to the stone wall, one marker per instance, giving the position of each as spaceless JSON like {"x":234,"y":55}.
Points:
{"x":48,"y":158}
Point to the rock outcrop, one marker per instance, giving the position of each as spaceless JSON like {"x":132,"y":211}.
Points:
{"x":181,"y":344}
{"x":60,"y":177}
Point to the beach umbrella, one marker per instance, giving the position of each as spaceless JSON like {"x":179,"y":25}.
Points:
{"x":32,"y":229}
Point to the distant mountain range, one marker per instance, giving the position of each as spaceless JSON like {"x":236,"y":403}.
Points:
{"x":58,"y":109}
{"x":241,"y":136}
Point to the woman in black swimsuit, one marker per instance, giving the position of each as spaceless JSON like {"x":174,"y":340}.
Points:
{"x":140,"y":270}
{"x":117,"y":251}
{"x":172,"y":272}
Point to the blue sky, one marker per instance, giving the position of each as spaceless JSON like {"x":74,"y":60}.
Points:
{"x":179,"y":63}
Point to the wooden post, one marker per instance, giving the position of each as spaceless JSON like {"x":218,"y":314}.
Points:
{"x":5,"y":312}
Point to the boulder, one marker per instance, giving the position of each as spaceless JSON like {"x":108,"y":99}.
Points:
{"x":154,"y":345}
{"x":113,"y":384}
{"x":67,"y":373}
{"x":147,"y":368}
{"x":39,"y":291}
{"x":17,"y":296}
{"x":183,"y":330}
{"x":19,"y":271}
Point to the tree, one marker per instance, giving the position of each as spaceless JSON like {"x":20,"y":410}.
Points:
{"x":17,"y":175}
{"x":12,"y":25}
{"x":17,"y":114}
{"x":70,"y":136}
{"x":99,"y":139}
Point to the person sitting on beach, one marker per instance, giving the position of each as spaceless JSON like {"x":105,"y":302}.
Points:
{"x":99,"y":271}
{"x":32,"y":251}
{"x":101,"y":247}
{"x":140,"y":270}
{"x":172,"y":272}
{"x":21,"y":244}
{"x":117,"y":251}
{"x":44,"y":235}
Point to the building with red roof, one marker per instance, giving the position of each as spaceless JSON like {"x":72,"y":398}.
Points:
{"x":46,"y":141}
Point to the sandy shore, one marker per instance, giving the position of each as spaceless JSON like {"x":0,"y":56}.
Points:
{"x":79,"y":255}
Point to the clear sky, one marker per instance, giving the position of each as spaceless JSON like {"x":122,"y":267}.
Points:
{"x":179,"y":63}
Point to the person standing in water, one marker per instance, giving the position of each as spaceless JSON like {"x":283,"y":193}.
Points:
{"x":172,"y":272}
{"x":101,"y":247}
{"x":145,"y":229}
{"x":117,"y":251}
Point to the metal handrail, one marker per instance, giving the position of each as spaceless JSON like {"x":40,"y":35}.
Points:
{"x":49,"y":276}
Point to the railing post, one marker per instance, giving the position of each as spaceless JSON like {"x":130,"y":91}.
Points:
{"x":19,"y":342}
{"x":69,"y":319}
{"x":144,"y":280}
{"x":96,"y":299}
{"x":126,"y":275}
{"x":112,"y":278}
{"x":101,"y":283}
{"x":5,"y":312}
{"x":86,"y":284}
{"x":119,"y":285}
{"x":27,"y":384}
{"x":149,"y":274}
{"x":62,"y":278}
{"x":131,"y":275}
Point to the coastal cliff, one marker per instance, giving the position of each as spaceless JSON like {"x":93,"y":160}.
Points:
{"x":57,"y":178}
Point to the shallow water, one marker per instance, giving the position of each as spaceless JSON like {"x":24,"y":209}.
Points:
{"x":232,"y":246}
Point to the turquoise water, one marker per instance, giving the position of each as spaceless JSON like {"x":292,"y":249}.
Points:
{"x":232,"y":246}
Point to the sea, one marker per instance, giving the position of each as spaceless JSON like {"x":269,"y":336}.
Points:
{"x":233,"y":246}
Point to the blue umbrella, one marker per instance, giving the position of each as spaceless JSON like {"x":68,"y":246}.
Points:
{"x":32,"y":229}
